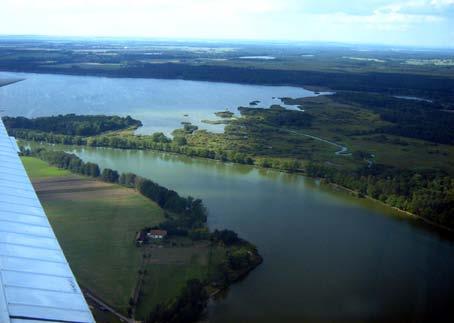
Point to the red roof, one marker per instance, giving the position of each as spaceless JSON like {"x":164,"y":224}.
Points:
{"x":158,"y":232}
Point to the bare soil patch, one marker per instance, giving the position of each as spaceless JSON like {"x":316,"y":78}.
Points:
{"x":167,"y":255}
{"x":78,"y":188}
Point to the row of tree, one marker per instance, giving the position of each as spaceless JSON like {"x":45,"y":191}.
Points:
{"x":188,"y":218}
{"x":429,"y":194}
{"x":157,"y":142}
{"x":72,"y":124}
{"x":383,"y":82}
{"x":190,"y":213}
{"x":186,"y":308}
{"x":432,"y":197}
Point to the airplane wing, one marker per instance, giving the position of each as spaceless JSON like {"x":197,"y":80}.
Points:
{"x":36,"y":282}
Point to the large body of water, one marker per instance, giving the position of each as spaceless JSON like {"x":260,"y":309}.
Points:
{"x":161,"y":105}
{"x":328,"y":257}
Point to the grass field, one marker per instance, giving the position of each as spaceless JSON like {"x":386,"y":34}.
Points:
{"x":176,"y":264}
{"x":357,"y":128}
{"x":37,"y":168}
{"x":96,"y":225}
{"x":337,"y":122}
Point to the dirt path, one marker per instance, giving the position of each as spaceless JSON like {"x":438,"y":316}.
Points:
{"x":107,"y":307}
{"x":343,"y":149}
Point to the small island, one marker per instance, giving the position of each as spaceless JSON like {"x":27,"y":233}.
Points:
{"x":216,"y":122}
{"x":226,"y":118}
{"x":330,"y":141}
{"x":224,"y":114}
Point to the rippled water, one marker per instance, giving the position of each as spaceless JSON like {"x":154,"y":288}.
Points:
{"x":160,"y":104}
{"x":328,"y":257}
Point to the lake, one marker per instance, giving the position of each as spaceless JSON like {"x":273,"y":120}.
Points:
{"x":327,"y":256}
{"x":161,"y":105}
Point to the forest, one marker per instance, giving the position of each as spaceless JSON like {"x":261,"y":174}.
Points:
{"x":184,"y":217}
{"x":190,"y":212}
{"x":380,"y":82}
{"x":278,"y":116}
{"x":72,"y":124}
{"x":411,"y":118}
{"x":426,"y":193}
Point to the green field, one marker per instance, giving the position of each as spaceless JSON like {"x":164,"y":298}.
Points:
{"x":356,"y":127}
{"x":37,"y":168}
{"x":178,"y":265}
{"x":341,"y":123}
{"x":96,"y":225}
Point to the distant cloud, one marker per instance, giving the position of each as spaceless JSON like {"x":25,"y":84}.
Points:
{"x":441,"y":3}
{"x":422,"y":6}
{"x":381,"y":20}
{"x":427,"y":22}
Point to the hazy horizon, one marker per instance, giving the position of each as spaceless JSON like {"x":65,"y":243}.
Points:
{"x":232,"y":41}
{"x":413,"y":23}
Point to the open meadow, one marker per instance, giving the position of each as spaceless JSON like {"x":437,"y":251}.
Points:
{"x":96,"y":224}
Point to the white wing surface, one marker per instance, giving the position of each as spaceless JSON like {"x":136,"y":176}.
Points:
{"x":36,"y":282}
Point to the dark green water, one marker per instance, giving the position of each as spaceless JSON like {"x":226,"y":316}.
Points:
{"x":328,"y":257}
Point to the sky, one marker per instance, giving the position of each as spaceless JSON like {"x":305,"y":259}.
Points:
{"x":425,"y":23}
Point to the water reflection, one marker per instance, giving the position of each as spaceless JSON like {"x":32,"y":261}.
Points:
{"x":153,"y":101}
{"x":328,"y":255}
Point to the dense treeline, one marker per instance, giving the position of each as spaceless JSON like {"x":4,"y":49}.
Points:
{"x":190,"y":212}
{"x":412,"y":118}
{"x":150,"y":143}
{"x":159,"y":142}
{"x":279,"y":116}
{"x":241,"y":258}
{"x":429,"y":194}
{"x":71,"y":124}
{"x":275,"y":117}
{"x":186,"y":308}
{"x":240,"y":255}
{"x":396,"y":83}
{"x":67,"y":161}
{"x":40,"y":136}
{"x":188,"y":218}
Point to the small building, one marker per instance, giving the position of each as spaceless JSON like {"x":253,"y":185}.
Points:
{"x":157,"y":234}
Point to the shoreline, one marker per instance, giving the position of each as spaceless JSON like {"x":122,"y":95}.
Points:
{"x":231,"y":273}
{"x":412,"y":215}
{"x":240,"y":275}
{"x":5,"y":82}
{"x":299,"y":172}
{"x":311,"y":88}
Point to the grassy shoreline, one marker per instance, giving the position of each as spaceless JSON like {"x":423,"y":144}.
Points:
{"x":356,"y":194}
{"x":301,"y":172}
{"x":105,"y":214}
{"x":401,"y":166}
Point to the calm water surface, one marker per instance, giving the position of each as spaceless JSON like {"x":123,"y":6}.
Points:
{"x":161,"y":105}
{"x":328,"y":257}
